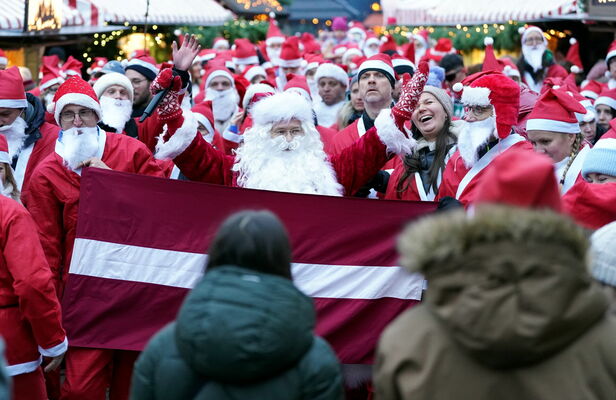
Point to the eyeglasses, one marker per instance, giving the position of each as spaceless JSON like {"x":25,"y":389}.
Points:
{"x":533,"y":40}
{"x":285,"y":132}
{"x":477,"y":111}
{"x":84,"y":115}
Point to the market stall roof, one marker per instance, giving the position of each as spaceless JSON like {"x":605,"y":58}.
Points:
{"x":163,"y":12}
{"x":247,"y":7}
{"x":472,"y":12}
{"x":78,"y":16}
{"x":322,"y":9}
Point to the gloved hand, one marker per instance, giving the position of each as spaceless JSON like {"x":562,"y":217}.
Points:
{"x":409,"y":95}
{"x":169,"y":107}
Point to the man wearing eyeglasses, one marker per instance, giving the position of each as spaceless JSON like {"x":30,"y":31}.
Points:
{"x":141,"y":71}
{"x":537,"y":62}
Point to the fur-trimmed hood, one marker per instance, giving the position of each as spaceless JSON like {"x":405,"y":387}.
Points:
{"x":510,"y":285}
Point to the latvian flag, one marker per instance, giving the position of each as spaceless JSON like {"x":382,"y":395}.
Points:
{"x":142,"y":242}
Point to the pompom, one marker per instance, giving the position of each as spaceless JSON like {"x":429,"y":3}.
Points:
{"x":458,"y":87}
{"x":556,"y":87}
{"x":124,"y":63}
{"x":607,"y":74}
{"x":575,"y":69}
{"x":488,"y":41}
{"x":521,"y":30}
{"x":51,"y":107}
{"x":408,"y":34}
{"x":383,"y":39}
{"x":507,"y":69}
{"x":272,"y":15}
{"x":100,"y":63}
{"x":572,"y":41}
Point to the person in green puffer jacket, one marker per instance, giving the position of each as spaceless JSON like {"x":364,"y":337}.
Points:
{"x":245,"y":331}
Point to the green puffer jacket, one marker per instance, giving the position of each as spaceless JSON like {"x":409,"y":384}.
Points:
{"x":240,"y":334}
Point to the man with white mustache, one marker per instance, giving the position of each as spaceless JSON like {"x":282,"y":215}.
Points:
{"x":22,"y":122}
{"x":491,"y":104}
{"x":220,"y":88}
{"x":537,"y":62}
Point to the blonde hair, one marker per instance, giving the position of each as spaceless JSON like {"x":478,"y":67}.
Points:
{"x":575,"y":149}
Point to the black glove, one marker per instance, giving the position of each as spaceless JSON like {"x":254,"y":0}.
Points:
{"x":378,"y":182}
{"x":448,"y":203}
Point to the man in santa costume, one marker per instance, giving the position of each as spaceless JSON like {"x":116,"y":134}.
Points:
{"x":273,"y":42}
{"x":333,"y":83}
{"x":22,"y":122}
{"x":220,"y":89}
{"x":537,"y":62}
{"x":30,"y":320}
{"x":220,"y":44}
{"x":491,"y":101}
{"x":290,"y":61}
{"x":244,"y":54}
{"x":283,"y":151}
{"x":141,"y":71}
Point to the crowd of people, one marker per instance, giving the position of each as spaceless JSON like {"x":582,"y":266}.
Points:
{"x":519,"y":154}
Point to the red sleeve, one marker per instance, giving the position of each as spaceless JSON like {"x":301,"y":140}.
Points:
{"x":356,"y":164}
{"x":146,"y":164}
{"x":32,"y":281}
{"x":149,"y":130}
{"x":452,"y":176}
{"x":202,"y":162}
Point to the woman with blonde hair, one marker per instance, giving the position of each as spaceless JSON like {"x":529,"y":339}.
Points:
{"x":9,"y":185}
{"x":353,"y":108}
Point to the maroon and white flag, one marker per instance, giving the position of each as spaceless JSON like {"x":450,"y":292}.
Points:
{"x":142,"y":241}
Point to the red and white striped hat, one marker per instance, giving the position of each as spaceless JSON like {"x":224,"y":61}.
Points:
{"x":12,"y":94}
{"x":379,"y":62}
{"x":607,"y":97}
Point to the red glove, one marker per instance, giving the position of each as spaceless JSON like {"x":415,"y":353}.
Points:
{"x":169,"y":107}
{"x":409,"y":95}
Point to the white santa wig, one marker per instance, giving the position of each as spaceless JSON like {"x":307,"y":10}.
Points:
{"x":280,"y":107}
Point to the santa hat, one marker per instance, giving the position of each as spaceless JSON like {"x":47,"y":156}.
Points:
{"x":388,"y":44}
{"x":339,"y":24}
{"x":510,"y":69}
{"x":443,"y":47}
{"x":245,"y":52}
{"x":72,"y":66}
{"x":215,"y":70}
{"x":52,"y":75}
{"x":607,"y":97}
{"x":139,"y":53}
{"x":357,"y":28}
{"x":274,"y":35}
{"x":490,"y":63}
{"x":113,"y":78}
{"x":371,"y":39}
{"x":298,"y":84}
{"x":290,"y":56}
{"x":330,"y":70}
{"x":145,"y":65}
{"x":520,"y":178}
{"x":525,"y":30}
{"x":591,"y":89}
{"x":280,"y":107}
{"x":351,"y":53}
{"x":339,"y":50}
{"x":402,"y":65}
{"x":207,"y":55}
{"x":356,"y":62}
{"x":424,"y":37}
{"x":601,"y":159}
{"x":4,"y":150}
{"x":381,"y":63}
{"x":256,"y":92}
{"x":573,"y":56}
{"x":409,"y":51}
{"x":495,"y":89}
{"x":611,"y":52}
{"x":12,"y":94}
{"x":220,"y":43}
{"x":3,"y":59}
{"x":254,"y":70}
{"x":314,"y":61}
{"x":311,"y":46}
{"x":555,"y":112}
{"x":204,"y":115}
{"x":97,"y":65}
{"x":74,"y":91}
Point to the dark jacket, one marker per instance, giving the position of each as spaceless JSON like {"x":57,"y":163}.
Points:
{"x":240,"y":334}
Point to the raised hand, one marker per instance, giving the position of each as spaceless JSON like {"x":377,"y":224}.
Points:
{"x":409,"y":95}
{"x":184,"y":56}
{"x":169,"y":107}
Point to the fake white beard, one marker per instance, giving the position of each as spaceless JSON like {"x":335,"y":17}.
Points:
{"x":273,"y":55}
{"x":79,"y":145}
{"x":368,"y":52}
{"x":224,"y":102}
{"x":48,"y":99}
{"x":15,"y":135}
{"x":473,"y":136}
{"x":534,"y":55}
{"x":116,"y":113}
{"x":186,"y":103}
{"x":299,"y":166}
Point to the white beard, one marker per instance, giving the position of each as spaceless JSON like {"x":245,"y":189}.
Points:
{"x":368,"y":52}
{"x":79,"y":147}
{"x":224,"y":103}
{"x":116,"y":113}
{"x":15,"y":136}
{"x":473,"y":136}
{"x":534,"y":55}
{"x":48,"y":99}
{"x":299,"y":166}
{"x":273,"y":55}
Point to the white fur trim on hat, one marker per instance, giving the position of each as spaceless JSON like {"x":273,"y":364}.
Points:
{"x":13,"y":103}
{"x":610,"y":55}
{"x":274,"y":40}
{"x":113,"y":78}
{"x":180,"y":140}
{"x":79,"y":99}
{"x":254,"y":89}
{"x":300,"y":91}
{"x":282,"y":107}
{"x":394,"y":140}
{"x":254,"y":71}
{"x":202,"y":119}
{"x":4,"y":157}
{"x":476,"y":96}
{"x":294,"y":63}
{"x":530,"y":29}
{"x":217,"y":73}
{"x":372,"y":40}
{"x":606,"y":101}
{"x":510,"y":71}
{"x":333,"y":71}
{"x":541,"y":124}
{"x":589,"y":93}
{"x":487,"y":41}
{"x":246,"y":60}
{"x":51,"y":82}
{"x":376,"y":65}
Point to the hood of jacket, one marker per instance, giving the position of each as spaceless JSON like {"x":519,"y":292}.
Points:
{"x":241,"y":326}
{"x":509,"y":285}
{"x":34,"y":117}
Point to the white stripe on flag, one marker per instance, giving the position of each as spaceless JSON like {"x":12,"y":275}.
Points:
{"x":182,"y":269}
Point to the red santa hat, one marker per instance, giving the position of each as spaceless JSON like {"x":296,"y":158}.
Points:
{"x":74,"y":91}
{"x":12,"y":94}
{"x":245,"y":52}
{"x":274,"y":35}
{"x":409,"y":51}
{"x":510,"y":69}
{"x":525,"y":30}
{"x":280,"y":107}
{"x":204,"y":115}
{"x":495,"y":89}
{"x":72,"y":66}
{"x":313,"y":61}
{"x":207,"y":55}
{"x":402,"y":65}
{"x":611,"y":52}
{"x":443,"y":47}
{"x":4,"y":150}
{"x":254,"y":70}
{"x":339,"y":50}
{"x":520,"y":178}
{"x":357,"y":29}
{"x":555,"y":111}
{"x":290,"y":56}
{"x":490,"y":63}
{"x":3,"y":58}
{"x":97,"y":65}
{"x":388,"y":43}
{"x":424,"y":37}
{"x":298,"y":84}
{"x":220,"y":43}
{"x":371,"y":39}
{"x":607,"y":97}
{"x":51,"y":75}
{"x":351,"y":53}
{"x":330,"y":70}
{"x":145,"y":65}
{"x":255,"y":93}
{"x":573,"y":56}
{"x":379,"y":62}
{"x":217,"y":69}
{"x":591,"y":89}
{"x":311,"y":46}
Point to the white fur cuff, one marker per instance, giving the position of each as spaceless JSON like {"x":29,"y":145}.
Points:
{"x":180,"y":140}
{"x":56,"y":350}
{"x":395,"y":141}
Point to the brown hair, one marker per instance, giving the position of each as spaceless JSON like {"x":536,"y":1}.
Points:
{"x":10,"y":178}
{"x":575,"y":149}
